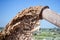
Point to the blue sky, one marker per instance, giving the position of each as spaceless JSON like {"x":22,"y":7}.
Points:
{"x":9,"y":8}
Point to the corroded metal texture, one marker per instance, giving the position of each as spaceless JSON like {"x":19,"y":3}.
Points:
{"x":51,"y":16}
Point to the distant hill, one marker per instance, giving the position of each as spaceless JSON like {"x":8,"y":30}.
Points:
{"x":1,"y":27}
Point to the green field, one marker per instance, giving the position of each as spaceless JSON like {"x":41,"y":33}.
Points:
{"x":46,"y":34}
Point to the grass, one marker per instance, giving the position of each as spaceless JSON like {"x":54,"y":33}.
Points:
{"x":47,"y":34}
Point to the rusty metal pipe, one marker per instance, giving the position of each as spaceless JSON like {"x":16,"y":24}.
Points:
{"x":51,"y":16}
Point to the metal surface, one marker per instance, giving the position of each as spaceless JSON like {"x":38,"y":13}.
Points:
{"x":51,"y":16}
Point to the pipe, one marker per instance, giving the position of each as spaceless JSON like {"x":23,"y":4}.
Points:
{"x":51,"y":16}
